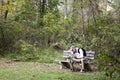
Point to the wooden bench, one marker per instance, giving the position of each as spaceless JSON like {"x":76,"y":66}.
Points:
{"x":88,"y":59}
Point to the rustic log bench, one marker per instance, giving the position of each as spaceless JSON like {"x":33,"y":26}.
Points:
{"x":88,"y":59}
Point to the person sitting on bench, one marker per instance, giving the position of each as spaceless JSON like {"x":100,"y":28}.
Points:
{"x":78,"y":56}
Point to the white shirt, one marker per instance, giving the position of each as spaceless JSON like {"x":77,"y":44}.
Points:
{"x":79,"y":54}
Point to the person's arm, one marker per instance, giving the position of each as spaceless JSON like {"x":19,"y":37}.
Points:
{"x":81,"y":53}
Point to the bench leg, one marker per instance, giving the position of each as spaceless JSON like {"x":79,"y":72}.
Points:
{"x":61,"y":67}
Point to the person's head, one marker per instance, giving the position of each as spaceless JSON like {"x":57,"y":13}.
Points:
{"x":73,"y":49}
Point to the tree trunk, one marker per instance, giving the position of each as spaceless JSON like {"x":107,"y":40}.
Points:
{"x":6,"y":12}
{"x":42,"y":3}
{"x":41,"y":12}
{"x":93,"y":13}
{"x":82,"y":12}
{"x":2,"y":2}
{"x":2,"y":36}
{"x":1,"y":29}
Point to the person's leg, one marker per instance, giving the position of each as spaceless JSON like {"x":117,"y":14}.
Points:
{"x":82,"y":65}
{"x":71,"y":64}
{"x":74,"y":60}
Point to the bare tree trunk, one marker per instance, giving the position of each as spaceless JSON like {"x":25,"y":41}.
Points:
{"x":82,"y":12}
{"x":93,"y":12}
{"x":96,"y":8}
{"x":2,"y":2}
{"x":2,"y":33}
{"x":42,"y":7}
{"x":6,"y":12}
{"x":41,"y":12}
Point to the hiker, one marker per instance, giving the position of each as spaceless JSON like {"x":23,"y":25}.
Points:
{"x":78,"y":56}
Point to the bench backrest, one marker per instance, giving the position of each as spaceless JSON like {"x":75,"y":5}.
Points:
{"x":89,"y":54}
{"x":67,"y":54}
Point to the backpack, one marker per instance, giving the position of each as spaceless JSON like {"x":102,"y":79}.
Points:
{"x":84,"y":52}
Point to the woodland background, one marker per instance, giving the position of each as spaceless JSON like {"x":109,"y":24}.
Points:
{"x":39,"y":30}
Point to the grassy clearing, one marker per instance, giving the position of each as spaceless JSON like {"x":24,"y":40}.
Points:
{"x":43,"y":56}
{"x":41,"y":71}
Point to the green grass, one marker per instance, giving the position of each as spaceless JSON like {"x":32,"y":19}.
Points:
{"x":45,"y":56}
{"x":41,"y":71}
